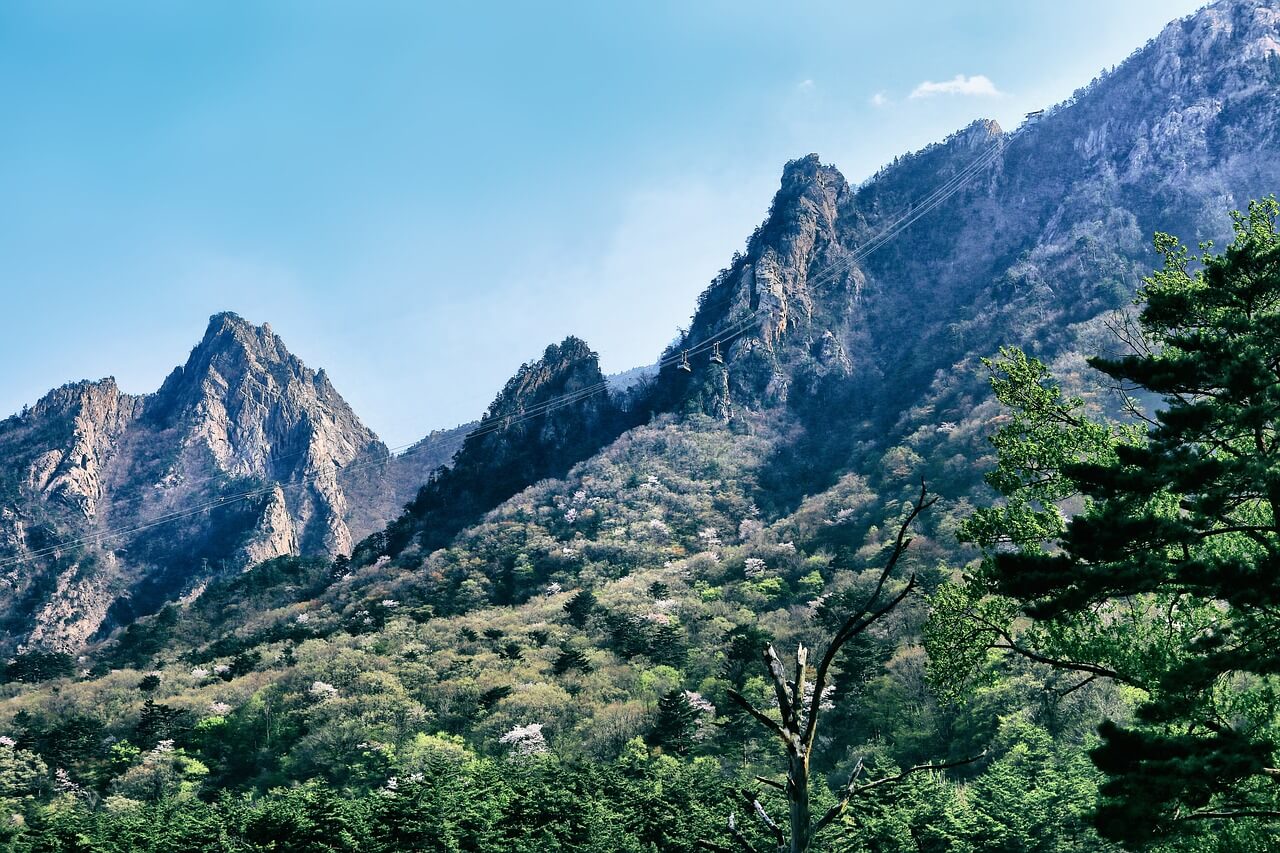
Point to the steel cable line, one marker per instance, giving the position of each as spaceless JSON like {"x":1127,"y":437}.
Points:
{"x":224,"y":500}
{"x":496,"y":424}
{"x":392,"y":450}
{"x":914,"y":213}
{"x":493,"y":424}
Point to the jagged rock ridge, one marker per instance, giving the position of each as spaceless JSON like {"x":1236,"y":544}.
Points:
{"x":1054,"y":232}
{"x":241,"y":415}
{"x":552,"y":413}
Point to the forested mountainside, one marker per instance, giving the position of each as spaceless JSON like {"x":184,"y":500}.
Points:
{"x":543,"y":650}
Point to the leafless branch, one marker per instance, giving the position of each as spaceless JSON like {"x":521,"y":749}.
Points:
{"x":1215,"y":815}
{"x":754,"y":802}
{"x":712,"y":846}
{"x":734,"y":833}
{"x":861,"y":619}
{"x":779,"y":676}
{"x":772,"y":783}
{"x":1067,"y":691}
{"x":796,"y":730}
{"x":761,"y":717}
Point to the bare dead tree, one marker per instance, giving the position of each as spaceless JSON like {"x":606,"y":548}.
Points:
{"x":797,"y":725}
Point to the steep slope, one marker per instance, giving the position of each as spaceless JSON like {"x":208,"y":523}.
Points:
{"x":248,"y":408}
{"x":1054,"y":232}
{"x":752,"y":505}
{"x":869,"y":365}
{"x":856,"y":361}
{"x":377,"y":494}
{"x":242,"y":415}
{"x":529,"y":432}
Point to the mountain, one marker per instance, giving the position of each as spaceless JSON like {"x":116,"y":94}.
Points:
{"x":589,"y":559}
{"x":530,"y":432}
{"x":242,"y":415}
{"x":1053,"y":234}
{"x":865,"y":364}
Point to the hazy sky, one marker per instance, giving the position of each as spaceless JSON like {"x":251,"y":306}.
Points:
{"x":419,"y":197}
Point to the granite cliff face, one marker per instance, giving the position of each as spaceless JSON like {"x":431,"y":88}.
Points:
{"x":1055,"y":232}
{"x":247,"y":408}
{"x":242,"y":415}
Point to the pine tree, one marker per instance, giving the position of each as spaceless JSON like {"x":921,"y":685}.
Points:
{"x":1169,"y":579}
{"x":580,"y":608}
{"x":570,"y":658}
{"x":675,"y":724}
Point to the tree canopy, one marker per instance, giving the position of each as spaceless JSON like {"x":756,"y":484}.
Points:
{"x":1165,"y":577}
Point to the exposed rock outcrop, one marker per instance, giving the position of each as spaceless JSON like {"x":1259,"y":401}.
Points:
{"x":530,"y":432}
{"x":243,"y":419}
{"x":1053,"y":232}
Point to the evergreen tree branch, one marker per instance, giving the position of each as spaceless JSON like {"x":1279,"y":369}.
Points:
{"x":852,"y":789}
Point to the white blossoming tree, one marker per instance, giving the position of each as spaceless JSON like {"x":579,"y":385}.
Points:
{"x":525,"y":740}
{"x":323,"y":690}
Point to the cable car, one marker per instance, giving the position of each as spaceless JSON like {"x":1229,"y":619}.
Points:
{"x":684,"y":362}
{"x":716,"y":358}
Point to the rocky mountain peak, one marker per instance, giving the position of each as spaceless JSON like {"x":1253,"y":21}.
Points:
{"x":256,"y":407}
{"x":74,"y":428}
{"x":1170,"y":139}
{"x":237,"y":357}
{"x":241,"y":416}
{"x":1221,"y":37}
{"x":566,"y":368}
{"x":805,"y":206}
{"x":520,"y":441}
{"x":772,"y":306}
{"x":809,"y":182}
{"x":563,"y":368}
{"x":977,"y":134}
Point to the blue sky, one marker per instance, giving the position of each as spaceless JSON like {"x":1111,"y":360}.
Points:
{"x":419,"y":197}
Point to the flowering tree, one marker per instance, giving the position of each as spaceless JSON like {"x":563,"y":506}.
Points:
{"x":525,"y":740}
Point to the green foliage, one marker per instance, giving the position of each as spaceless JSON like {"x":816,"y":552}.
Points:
{"x":36,"y":666}
{"x":676,"y":723}
{"x":1046,"y":433}
{"x":456,"y":802}
{"x":580,"y":608}
{"x":1165,"y":579}
{"x":163,"y":773}
{"x":570,"y":658}
{"x":22,"y":773}
{"x":158,"y":722}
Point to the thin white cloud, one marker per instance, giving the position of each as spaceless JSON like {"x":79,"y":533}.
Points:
{"x":978,"y":85}
{"x":879,"y":99}
{"x":805,"y":86}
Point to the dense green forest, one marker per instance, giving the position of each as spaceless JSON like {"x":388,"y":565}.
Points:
{"x":636,"y":658}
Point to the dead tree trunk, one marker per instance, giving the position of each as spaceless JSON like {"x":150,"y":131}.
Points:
{"x":797,"y":723}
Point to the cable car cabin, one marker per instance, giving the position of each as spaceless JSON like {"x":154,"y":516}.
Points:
{"x":684,"y":362}
{"x":716,"y":358}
